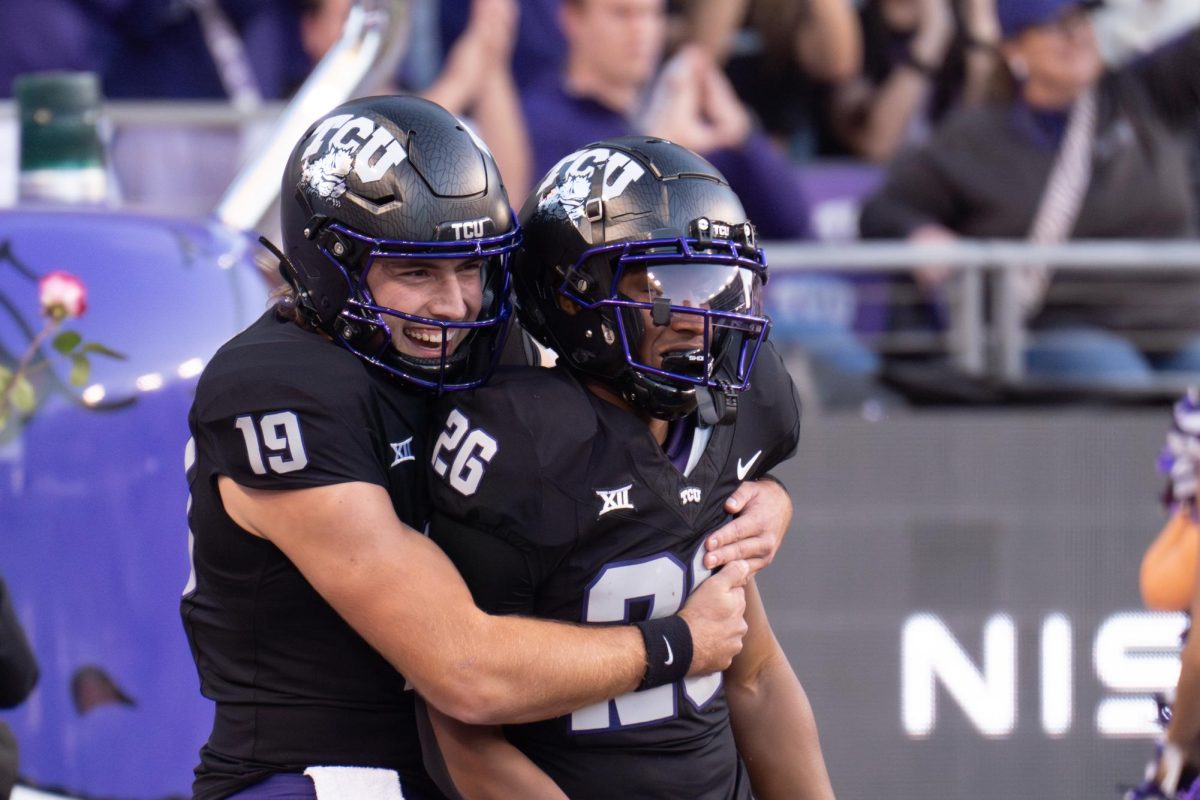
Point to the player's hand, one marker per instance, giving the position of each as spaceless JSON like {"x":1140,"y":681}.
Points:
{"x":762,"y":512}
{"x":715,"y":614}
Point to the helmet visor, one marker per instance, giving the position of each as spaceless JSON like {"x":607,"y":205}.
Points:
{"x":712,"y":287}
{"x":720,"y":303}
{"x":715,"y":285}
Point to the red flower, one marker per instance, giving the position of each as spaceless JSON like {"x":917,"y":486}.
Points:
{"x":62,"y":295}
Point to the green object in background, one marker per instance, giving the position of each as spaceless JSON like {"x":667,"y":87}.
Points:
{"x":62,"y":150}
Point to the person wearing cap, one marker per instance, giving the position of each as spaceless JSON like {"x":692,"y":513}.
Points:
{"x":1068,"y":149}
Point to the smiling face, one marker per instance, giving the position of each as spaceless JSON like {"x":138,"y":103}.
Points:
{"x":447,"y":290}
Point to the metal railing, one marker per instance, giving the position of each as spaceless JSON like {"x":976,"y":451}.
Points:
{"x":360,"y":62}
{"x":986,"y":333}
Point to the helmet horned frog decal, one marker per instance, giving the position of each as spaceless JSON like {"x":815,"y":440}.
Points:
{"x":345,"y":143}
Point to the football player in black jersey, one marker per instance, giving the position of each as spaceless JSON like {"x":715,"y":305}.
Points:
{"x":585,"y":493}
{"x":312,"y":588}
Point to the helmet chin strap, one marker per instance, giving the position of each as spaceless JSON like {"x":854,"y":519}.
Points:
{"x":658,"y":398}
{"x":716,"y":406}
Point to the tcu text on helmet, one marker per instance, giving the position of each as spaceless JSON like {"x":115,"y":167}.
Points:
{"x":373,"y":148}
{"x":470,"y":229}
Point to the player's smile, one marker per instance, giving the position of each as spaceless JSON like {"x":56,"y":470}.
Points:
{"x":449,"y":290}
{"x":430,"y":338}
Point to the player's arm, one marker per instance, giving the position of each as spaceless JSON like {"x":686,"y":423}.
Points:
{"x":404,"y":596}
{"x":485,"y":766}
{"x":504,"y":575}
{"x":1168,"y":568}
{"x":772,"y":720}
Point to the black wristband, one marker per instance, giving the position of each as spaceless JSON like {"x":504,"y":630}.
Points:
{"x":668,"y":650}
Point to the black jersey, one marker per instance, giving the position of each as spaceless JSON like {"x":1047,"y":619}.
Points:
{"x":558,"y":504}
{"x":279,"y":407}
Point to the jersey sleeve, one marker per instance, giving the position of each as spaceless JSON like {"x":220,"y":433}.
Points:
{"x":774,"y":402}
{"x":270,"y":426}
{"x":494,"y":481}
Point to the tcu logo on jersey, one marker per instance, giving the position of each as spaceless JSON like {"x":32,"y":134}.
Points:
{"x":572,"y":186}
{"x":690,"y":494}
{"x":345,"y":143}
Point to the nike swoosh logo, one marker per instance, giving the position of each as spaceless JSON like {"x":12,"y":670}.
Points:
{"x":744,"y":469}
{"x":670,"y":656}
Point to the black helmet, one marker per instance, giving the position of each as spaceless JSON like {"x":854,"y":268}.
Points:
{"x":397,"y":177}
{"x":646,"y":210}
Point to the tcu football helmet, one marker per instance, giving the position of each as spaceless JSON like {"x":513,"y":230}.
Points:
{"x":633,"y":225}
{"x":397,"y":178}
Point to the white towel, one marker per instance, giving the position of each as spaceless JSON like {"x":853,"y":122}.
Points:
{"x":355,"y":783}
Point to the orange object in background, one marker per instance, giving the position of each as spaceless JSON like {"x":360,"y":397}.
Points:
{"x":1168,"y":572}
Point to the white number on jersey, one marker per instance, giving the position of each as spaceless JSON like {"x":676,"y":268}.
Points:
{"x":662,"y":580}
{"x":280,"y":437}
{"x":474,"y":448}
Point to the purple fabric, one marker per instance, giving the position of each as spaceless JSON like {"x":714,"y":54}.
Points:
{"x":559,"y":123}
{"x":762,"y":176}
{"x":678,"y":445}
{"x":60,"y":35}
{"x":285,"y":786}
{"x":1017,"y":15}
{"x":1043,"y":128}
{"x":540,"y":49}
{"x":161,"y":51}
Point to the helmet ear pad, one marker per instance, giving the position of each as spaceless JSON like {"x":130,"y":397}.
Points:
{"x":328,"y":287}
{"x":586,"y":336}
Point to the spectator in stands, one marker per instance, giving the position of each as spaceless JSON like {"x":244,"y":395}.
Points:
{"x":608,"y":89}
{"x":781,"y":56}
{"x":538,"y":53}
{"x":18,"y":676}
{"x":1069,"y":150}
{"x":922,"y":59}
{"x":475,"y":79}
{"x":62,"y":35}
{"x":242,"y":50}
{"x":1127,"y":29}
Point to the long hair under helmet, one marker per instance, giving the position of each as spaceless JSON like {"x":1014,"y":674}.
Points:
{"x":396,"y":178}
{"x":637,"y":211}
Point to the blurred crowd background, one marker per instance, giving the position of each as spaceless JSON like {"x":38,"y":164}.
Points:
{"x":989,"y":202}
{"x":929,"y":122}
